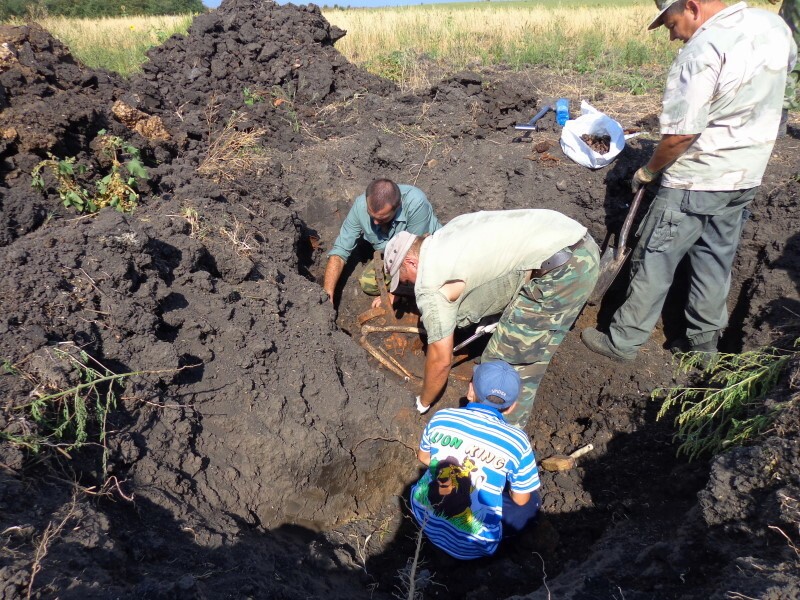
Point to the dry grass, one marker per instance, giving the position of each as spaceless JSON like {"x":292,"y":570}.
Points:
{"x":51,"y":533}
{"x":233,"y":152}
{"x":198,"y":228}
{"x":117,"y":44}
{"x":244,"y":241}
{"x":572,"y":35}
{"x":476,"y":33}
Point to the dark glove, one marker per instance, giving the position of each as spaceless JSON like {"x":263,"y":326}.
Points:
{"x":642,"y":177}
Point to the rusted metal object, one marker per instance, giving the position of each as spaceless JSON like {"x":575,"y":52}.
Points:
{"x":391,"y":328}
{"x":372,"y":313}
{"x":387,"y":361}
{"x":394,"y":326}
{"x":379,"y":279}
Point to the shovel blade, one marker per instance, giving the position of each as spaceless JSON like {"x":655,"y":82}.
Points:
{"x":611,"y":263}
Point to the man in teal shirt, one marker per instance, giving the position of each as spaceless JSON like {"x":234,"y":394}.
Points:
{"x":382,"y":211}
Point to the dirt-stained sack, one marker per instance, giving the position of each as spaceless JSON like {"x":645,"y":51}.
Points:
{"x":592,"y":123}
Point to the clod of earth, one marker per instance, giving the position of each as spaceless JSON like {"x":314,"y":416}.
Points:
{"x":598,"y":143}
{"x":542,"y":146}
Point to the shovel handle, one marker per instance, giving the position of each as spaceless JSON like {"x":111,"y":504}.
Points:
{"x":581,"y":451}
{"x":540,"y":114}
{"x":626,"y":226}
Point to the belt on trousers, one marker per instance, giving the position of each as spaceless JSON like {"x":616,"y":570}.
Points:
{"x":559,"y":258}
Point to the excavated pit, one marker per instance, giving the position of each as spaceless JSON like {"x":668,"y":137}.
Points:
{"x":266,"y":454}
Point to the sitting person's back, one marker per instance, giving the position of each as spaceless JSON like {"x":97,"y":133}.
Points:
{"x":481,"y":475}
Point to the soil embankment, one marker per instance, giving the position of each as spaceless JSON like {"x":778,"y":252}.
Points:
{"x":265,"y":454}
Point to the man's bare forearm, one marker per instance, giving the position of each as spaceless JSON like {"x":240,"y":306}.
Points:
{"x":437,"y":369}
{"x":668,"y":150}
{"x":333,"y":270}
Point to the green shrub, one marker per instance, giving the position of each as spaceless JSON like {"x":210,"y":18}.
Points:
{"x":116,"y":188}
{"x":729,"y":409}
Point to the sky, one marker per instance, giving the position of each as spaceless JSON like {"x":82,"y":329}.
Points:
{"x":353,"y":3}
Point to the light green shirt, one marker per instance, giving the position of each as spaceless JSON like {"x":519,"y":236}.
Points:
{"x":415,"y":215}
{"x":727,"y":84}
{"x":491,"y":252}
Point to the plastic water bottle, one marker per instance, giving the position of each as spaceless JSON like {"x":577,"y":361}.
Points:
{"x":562,"y":111}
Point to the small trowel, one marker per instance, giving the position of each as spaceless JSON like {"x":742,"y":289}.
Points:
{"x":530,"y":126}
{"x":564,"y":463}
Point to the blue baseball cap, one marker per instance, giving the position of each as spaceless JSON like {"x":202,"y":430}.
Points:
{"x":498,"y":379}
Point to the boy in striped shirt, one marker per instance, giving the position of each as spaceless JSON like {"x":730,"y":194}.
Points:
{"x":482,"y":477}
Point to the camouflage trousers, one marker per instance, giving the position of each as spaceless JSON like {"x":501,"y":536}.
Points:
{"x":537,"y":321}
{"x":790,"y":11}
{"x":791,"y":99}
{"x":367,"y":281}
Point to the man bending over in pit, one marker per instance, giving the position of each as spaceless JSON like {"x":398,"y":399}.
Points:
{"x":385,"y":209}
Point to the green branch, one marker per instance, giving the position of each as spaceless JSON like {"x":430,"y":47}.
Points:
{"x":729,"y":410}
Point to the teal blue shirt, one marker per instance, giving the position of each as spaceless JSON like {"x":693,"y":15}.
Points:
{"x":415,"y":215}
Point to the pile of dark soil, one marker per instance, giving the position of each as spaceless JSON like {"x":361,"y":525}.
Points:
{"x":259,"y":452}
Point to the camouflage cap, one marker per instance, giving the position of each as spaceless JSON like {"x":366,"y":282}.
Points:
{"x":662,"y":5}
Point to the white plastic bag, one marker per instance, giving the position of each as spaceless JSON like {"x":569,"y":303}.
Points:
{"x":591,"y":122}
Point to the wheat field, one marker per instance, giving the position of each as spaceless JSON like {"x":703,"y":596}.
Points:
{"x":599,"y":38}
{"x":116,"y":44}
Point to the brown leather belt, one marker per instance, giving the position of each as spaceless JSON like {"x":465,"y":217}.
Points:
{"x":559,"y":258}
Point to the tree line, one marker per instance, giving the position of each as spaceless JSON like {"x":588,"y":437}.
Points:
{"x":97,"y":8}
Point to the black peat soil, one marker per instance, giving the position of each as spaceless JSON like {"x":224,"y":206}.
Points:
{"x":260,"y":452}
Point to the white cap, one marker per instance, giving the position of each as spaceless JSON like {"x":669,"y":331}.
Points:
{"x":393,"y":255}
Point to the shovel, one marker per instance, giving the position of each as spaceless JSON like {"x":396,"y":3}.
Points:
{"x":564,"y":463}
{"x":614,"y":256}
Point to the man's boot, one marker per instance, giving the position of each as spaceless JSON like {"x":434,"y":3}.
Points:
{"x":600,"y":343}
{"x":782,"y":128}
{"x":707,"y":349}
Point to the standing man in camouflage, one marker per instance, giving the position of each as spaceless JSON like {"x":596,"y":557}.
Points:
{"x":790,"y":12}
{"x":721,"y":111}
{"x":536,"y":267}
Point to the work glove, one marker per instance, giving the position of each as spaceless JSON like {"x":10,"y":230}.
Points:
{"x":488,"y":328}
{"x":642,"y":177}
{"x":421,"y":409}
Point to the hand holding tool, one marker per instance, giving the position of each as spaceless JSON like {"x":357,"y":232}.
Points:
{"x":479,"y":331}
{"x":641,"y":178}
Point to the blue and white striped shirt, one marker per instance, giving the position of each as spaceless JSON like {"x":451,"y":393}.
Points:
{"x":458,"y":501}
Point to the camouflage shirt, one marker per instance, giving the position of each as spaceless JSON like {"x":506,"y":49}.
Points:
{"x":790,"y":11}
{"x":727,"y":85}
{"x":492,"y":253}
